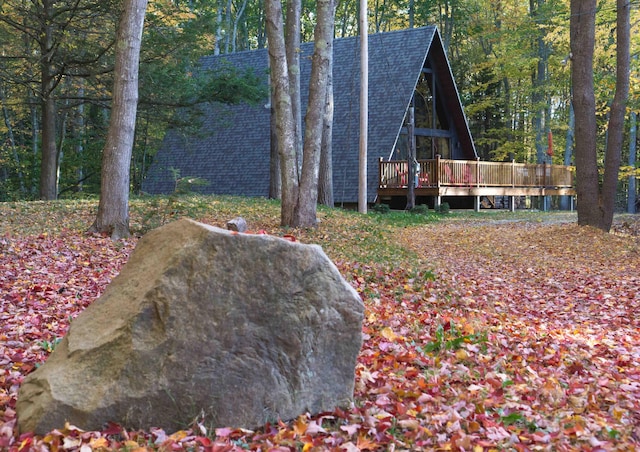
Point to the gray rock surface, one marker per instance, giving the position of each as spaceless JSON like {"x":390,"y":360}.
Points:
{"x":244,"y":329}
{"x":238,"y":224}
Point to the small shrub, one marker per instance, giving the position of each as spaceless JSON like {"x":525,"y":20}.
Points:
{"x":421,"y":209}
{"x":442,"y":208}
{"x":381,"y":208}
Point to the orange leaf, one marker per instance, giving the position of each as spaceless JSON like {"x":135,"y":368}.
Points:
{"x":300,"y":425}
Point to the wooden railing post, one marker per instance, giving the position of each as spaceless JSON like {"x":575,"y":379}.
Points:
{"x":513,"y":173}
{"x":437,"y":171}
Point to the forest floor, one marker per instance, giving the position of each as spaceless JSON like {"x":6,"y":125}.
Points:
{"x":491,"y":331}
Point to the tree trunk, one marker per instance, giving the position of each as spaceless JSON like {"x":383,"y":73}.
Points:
{"x":227,"y":26}
{"x":538,"y":98}
{"x":582,"y":38}
{"x":113,"y":209}
{"x":595,"y":206}
{"x":631,"y":193}
{"x":48,"y":163}
{"x":281,"y":100}
{"x":11,"y":141}
{"x":218,"y":38}
{"x":236,"y":21}
{"x":412,"y":13}
{"x":565,"y":201}
{"x":617,"y":115}
{"x":292,"y":45}
{"x":325,"y":179}
{"x":411,"y":158}
{"x":79,"y":133}
{"x":323,"y":47}
{"x":364,"y":108}
{"x":275,"y":187}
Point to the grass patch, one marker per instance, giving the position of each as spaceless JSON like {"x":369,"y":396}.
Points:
{"x":344,"y":234}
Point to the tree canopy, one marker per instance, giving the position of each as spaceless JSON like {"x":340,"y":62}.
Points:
{"x":511,"y":61}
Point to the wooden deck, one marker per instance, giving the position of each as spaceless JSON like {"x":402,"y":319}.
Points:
{"x":442,"y":177}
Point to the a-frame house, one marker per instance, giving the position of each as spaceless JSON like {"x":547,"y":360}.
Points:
{"x":407,"y":67}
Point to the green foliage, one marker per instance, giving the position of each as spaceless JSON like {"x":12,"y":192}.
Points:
{"x":49,"y":346}
{"x":421,"y":209}
{"x":443,"y":208}
{"x":229,"y":85}
{"x":492,"y":46}
{"x":448,"y":337}
{"x":517,"y":418}
{"x":381,"y":208}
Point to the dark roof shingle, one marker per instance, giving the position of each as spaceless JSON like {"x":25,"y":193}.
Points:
{"x":232,"y":152}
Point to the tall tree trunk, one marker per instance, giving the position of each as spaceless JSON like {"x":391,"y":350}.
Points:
{"x":565,"y":201}
{"x":363,"y":22}
{"x":617,"y":114}
{"x":12,"y":141}
{"x":217,"y":43}
{"x":48,"y":163}
{"x":292,"y":45}
{"x":281,"y":100}
{"x":539,"y":100}
{"x":79,"y":134}
{"x":582,"y":37}
{"x":412,"y":12}
{"x":325,"y":179}
{"x":595,"y":206}
{"x":320,"y":67}
{"x":236,"y":21}
{"x":275,"y":186}
{"x":411,"y":157}
{"x":35,"y":128}
{"x":227,"y":26}
{"x":631,"y":193}
{"x":113,"y":209}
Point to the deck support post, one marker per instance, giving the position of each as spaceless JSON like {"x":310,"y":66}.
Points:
{"x":476,"y":203}
{"x":512,"y":203}
{"x":437,"y":201}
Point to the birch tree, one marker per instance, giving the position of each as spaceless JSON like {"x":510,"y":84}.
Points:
{"x":299,"y":196}
{"x":315,"y":117}
{"x":283,"y":110}
{"x":292,"y":45}
{"x":113,"y":209}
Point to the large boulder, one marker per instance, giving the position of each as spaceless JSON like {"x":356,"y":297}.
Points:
{"x":241,"y":329}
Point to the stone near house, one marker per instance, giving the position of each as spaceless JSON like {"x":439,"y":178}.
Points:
{"x":238,"y":224}
{"x":241,"y":329}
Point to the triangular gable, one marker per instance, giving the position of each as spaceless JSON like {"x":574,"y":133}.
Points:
{"x":232,"y":152}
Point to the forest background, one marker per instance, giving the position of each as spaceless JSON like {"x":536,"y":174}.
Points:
{"x":510,"y":59}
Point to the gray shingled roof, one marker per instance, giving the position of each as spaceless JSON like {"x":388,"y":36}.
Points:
{"x":232,"y":152}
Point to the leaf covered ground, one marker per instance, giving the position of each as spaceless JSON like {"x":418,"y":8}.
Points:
{"x":498,"y":331}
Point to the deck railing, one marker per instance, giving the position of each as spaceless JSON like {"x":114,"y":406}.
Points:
{"x":474,"y":173}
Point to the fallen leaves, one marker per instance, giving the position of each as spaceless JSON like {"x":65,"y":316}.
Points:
{"x":507,"y":335}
